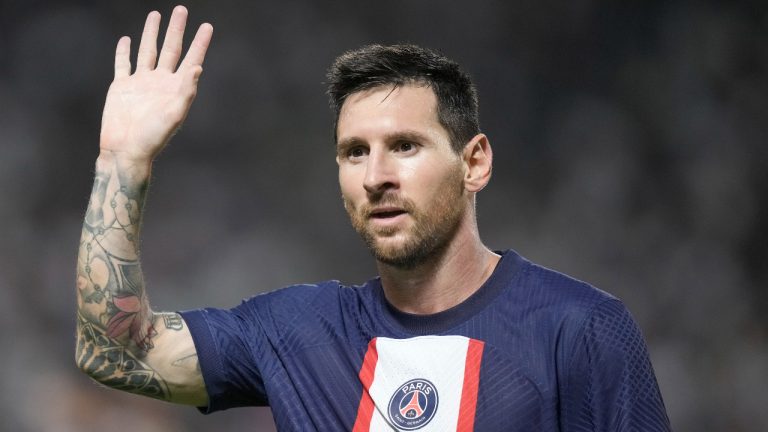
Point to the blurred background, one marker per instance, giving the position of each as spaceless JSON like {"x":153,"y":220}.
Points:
{"x":630,"y":151}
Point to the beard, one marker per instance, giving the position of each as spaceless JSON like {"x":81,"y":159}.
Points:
{"x":434,"y":225}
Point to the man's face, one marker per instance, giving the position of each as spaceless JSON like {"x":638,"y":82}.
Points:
{"x":401,"y":182}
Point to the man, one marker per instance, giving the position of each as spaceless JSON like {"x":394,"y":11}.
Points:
{"x":450,"y":336}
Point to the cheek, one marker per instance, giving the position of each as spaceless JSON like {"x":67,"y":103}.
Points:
{"x":415,"y":167}
{"x":350,"y":186}
{"x":431,"y":181}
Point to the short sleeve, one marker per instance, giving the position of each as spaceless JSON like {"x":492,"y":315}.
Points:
{"x":609,"y":382}
{"x":228,"y":344}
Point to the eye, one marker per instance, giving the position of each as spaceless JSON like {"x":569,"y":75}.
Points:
{"x":356,"y":152}
{"x":405,"y":147}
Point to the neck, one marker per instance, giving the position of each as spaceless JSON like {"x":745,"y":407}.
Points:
{"x":444,"y":280}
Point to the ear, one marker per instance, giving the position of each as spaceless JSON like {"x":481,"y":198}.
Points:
{"x":478,"y":163}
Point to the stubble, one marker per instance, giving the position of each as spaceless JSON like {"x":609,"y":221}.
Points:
{"x":435,"y":223}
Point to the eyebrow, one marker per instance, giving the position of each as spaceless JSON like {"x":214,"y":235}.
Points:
{"x":347,"y":143}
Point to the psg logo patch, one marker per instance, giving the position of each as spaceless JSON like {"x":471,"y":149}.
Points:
{"x":413,"y":405}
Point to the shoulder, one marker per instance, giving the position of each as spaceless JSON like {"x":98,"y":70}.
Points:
{"x":303,"y":302}
{"x":298,"y":295}
{"x":310,"y":312}
{"x":585,"y":318}
{"x":567,"y":307}
{"x":553,"y":290}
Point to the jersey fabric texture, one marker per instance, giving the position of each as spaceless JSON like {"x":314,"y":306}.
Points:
{"x":531,"y":350}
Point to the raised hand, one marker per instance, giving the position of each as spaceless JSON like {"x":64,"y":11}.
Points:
{"x":145,"y":108}
{"x":121,"y":342}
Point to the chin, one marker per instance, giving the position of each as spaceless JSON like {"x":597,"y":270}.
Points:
{"x":405,"y":254}
{"x":398,"y":260}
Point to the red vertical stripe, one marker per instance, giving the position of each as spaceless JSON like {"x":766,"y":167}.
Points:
{"x":365,"y":409}
{"x":466,"y":421}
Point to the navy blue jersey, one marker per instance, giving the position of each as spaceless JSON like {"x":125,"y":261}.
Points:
{"x":531,"y":350}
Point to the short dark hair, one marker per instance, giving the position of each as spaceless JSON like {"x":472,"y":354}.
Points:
{"x":377,"y":65}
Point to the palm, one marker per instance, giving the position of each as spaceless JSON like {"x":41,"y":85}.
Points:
{"x":143,"y":109}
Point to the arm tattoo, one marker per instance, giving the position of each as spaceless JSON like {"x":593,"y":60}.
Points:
{"x":115,"y":323}
{"x":172,"y":321}
{"x":113,"y":365}
{"x":109,"y":273}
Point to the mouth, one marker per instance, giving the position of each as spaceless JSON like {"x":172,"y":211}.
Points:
{"x":386,"y":213}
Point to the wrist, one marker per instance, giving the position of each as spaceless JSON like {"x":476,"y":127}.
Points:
{"x":136,"y":167}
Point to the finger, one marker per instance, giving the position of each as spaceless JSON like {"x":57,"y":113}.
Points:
{"x":169,"y":55}
{"x":123,"y":57}
{"x":196,"y":53}
{"x":148,"y":46}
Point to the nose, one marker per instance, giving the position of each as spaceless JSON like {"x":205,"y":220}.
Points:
{"x":380,"y":173}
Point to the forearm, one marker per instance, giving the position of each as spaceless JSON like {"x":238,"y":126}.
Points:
{"x":121,"y":342}
{"x":109,"y":278}
{"x":113,"y":310}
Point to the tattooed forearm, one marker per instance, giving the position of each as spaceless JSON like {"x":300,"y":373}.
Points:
{"x":110,"y":282}
{"x":121,"y":342}
{"x":115,"y":327}
{"x":113,"y":365}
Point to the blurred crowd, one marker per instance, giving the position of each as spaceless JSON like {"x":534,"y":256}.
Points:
{"x":630,"y":152}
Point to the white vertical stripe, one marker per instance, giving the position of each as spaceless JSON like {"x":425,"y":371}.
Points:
{"x":437,"y":359}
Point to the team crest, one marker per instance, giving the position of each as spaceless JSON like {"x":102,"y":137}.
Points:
{"x":413,"y":405}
